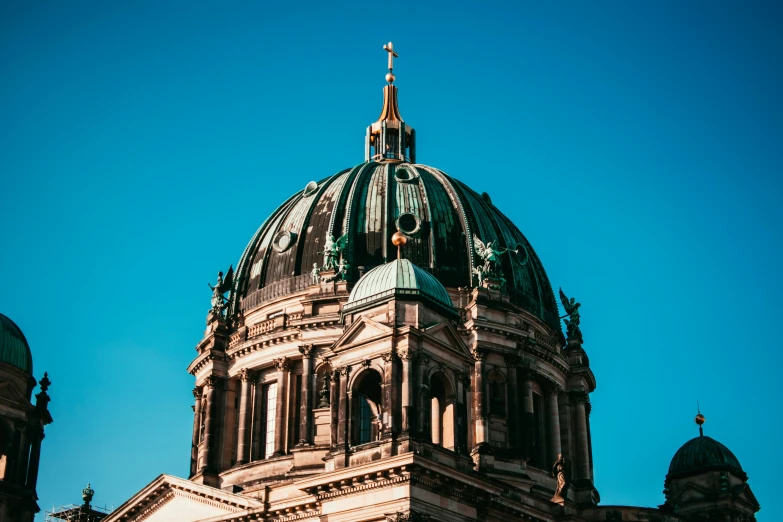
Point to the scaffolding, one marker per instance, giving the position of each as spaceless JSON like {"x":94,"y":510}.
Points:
{"x":74,"y":513}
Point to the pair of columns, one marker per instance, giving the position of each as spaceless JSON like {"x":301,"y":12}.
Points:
{"x":283,"y":366}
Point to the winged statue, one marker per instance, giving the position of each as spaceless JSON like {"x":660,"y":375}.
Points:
{"x":222,"y":286}
{"x":572,"y":313}
{"x":332,"y":249}
{"x":490,"y":255}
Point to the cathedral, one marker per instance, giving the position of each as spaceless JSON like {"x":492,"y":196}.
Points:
{"x":389,"y":348}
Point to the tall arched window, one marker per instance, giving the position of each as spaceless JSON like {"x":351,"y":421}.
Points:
{"x":366,"y":408}
{"x":442,"y":405}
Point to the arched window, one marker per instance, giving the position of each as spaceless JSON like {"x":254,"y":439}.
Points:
{"x":442,"y":410}
{"x":366,"y":408}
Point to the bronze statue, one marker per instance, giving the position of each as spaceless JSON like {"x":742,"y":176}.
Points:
{"x":572,"y":312}
{"x":331,"y":250}
{"x":222,"y":286}
{"x":342,"y":270}
{"x":562,"y":471}
{"x":491,"y":258}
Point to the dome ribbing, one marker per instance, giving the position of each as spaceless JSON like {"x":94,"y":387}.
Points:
{"x":14,"y":349}
{"x":703,"y":454}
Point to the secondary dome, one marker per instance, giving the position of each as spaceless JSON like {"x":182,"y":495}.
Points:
{"x":14,"y":349}
{"x":703,"y":454}
{"x":400,"y":277}
{"x":368,"y":204}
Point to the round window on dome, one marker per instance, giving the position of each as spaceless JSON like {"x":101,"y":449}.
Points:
{"x":409,"y":224}
{"x":283,"y":241}
{"x":310,"y":189}
{"x":403,"y":175}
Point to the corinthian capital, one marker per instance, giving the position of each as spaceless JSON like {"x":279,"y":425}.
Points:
{"x":282,"y":364}
{"x":306,"y":350}
{"x":479,"y":354}
{"x":407,"y":354}
{"x":244,"y":375}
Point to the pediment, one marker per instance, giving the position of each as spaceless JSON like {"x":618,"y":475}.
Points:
{"x":690,"y":492}
{"x":170,"y":498}
{"x":445,"y":335}
{"x":743,"y":492}
{"x":362,"y":331}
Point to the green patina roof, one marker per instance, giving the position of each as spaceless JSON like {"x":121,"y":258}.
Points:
{"x":400,"y":277}
{"x":14,"y":349}
{"x":703,"y":454}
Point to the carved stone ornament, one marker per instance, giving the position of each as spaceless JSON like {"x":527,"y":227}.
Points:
{"x":479,"y":354}
{"x":211,"y":381}
{"x":407,"y":516}
{"x":306,"y":350}
{"x":197,"y":393}
{"x":388,"y":357}
{"x":244,"y":375}
{"x":282,"y":364}
{"x":408,"y":354}
{"x":344,"y":371}
{"x":366,"y":363}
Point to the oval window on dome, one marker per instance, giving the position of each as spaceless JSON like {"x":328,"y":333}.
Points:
{"x":283,"y":241}
{"x":409,"y":224}
{"x":310,"y":189}
{"x":403,"y":175}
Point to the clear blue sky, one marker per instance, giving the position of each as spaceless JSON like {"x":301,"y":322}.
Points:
{"x":637,"y":144}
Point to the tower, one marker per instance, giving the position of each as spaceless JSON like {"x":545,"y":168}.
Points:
{"x":21,"y":425}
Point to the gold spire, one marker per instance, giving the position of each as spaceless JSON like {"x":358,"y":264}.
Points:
{"x":389,"y":138}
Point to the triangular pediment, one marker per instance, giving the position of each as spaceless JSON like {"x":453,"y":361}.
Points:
{"x":444,"y":334}
{"x":743,"y":492}
{"x":170,"y":498}
{"x":364,"y":330}
{"x":690,"y":492}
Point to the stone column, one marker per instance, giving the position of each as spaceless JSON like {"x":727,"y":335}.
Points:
{"x":424,"y":405}
{"x":334,"y":405}
{"x":582,"y":448}
{"x":479,"y":398}
{"x":196,"y":431}
{"x":209,"y":421}
{"x":283,"y":366}
{"x":554,"y":425}
{"x":36,"y":436}
{"x":245,"y":404}
{"x":462,"y":382}
{"x":305,"y":407}
{"x":527,"y":415}
{"x":407,"y":357}
{"x":389,"y":378}
{"x":512,"y":416}
{"x":342,"y":424}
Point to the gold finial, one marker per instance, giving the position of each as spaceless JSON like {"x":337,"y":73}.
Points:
{"x":398,"y":240}
{"x":389,"y":48}
{"x":699,"y":419}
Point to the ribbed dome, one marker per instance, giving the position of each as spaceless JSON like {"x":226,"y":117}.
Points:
{"x":400,"y":277}
{"x":703,"y":454}
{"x":14,"y":349}
{"x":369,"y":202}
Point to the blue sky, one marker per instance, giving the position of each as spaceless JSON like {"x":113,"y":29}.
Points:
{"x":637,"y":145}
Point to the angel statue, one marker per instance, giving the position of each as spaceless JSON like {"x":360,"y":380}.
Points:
{"x":490,"y":255}
{"x":572,"y":312}
{"x":331,"y":249}
{"x":218,"y":291}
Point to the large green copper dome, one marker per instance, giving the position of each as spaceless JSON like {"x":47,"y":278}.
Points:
{"x":14,"y":349}
{"x":703,"y":454}
{"x":369,"y":202}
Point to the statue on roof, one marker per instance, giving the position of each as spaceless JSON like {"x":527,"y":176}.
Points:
{"x":332,"y":249}
{"x":572,"y":313}
{"x":223,"y":285}
{"x":315,"y":274}
{"x":490,"y":255}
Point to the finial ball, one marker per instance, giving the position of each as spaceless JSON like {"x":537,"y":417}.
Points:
{"x":699,"y":419}
{"x":390,"y":78}
{"x":399,"y":239}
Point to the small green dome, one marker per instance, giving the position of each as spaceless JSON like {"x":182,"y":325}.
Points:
{"x":14,"y":349}
{"x":398,"y":278}
{"x":703,"y":454}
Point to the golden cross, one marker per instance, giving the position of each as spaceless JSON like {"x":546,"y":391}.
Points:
{"x":389,"y":47}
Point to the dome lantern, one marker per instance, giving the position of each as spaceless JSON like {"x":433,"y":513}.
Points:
{"x":389,"y":138}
